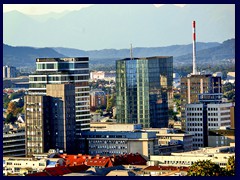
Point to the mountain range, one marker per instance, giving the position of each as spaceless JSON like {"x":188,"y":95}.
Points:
{"x":106,"y":26}
{"x":206,"y":53}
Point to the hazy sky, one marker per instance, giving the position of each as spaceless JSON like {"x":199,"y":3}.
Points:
{"x":36,"y":9}
{"x":104,"y":26}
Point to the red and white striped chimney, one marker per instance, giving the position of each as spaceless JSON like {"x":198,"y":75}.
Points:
{"x":194,"y":47}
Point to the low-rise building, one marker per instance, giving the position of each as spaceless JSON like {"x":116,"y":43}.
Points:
{"x":14,"y":140}
{"x":221,"y":137}
{"x":121,"y":139}
{"x":172,"y":140}
{"x":218,"y":155}
{"x":21,"y":166}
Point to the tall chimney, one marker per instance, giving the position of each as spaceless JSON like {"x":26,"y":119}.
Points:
{"x":194,"y":48}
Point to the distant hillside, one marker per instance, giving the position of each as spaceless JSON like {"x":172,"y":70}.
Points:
{"x":182,"y":54}
{"x":25,"y":56}
{"x":174,"y":50}
{"x":211,"y":55}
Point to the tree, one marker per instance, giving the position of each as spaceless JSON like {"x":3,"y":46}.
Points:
{"x":228,"y":87}
{"x":11,"y":108}
{"x":231,"y":166}
{"x":110,"y":103}
{"x":99,"y":111}
{"x":205,"y":168}
{"x":10,"y":118}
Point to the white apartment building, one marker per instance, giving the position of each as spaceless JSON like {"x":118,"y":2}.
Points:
{"x":218,"y":155}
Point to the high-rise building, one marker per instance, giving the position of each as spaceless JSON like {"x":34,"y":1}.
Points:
{"x":9,"y":71}
{"x":144,"y":88}
{"x":194,"y":85}
{"x":208,"y":114}
{"x":50,"y":120}
{"x":62,"y":71}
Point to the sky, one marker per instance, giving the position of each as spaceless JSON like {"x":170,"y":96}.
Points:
{"x":36,"y":29}
{"x":38,"y":9}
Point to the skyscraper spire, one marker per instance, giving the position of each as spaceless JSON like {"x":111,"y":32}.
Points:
{"x":131,"y":53}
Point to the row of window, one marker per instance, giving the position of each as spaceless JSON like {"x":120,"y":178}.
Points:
{"x":194,"y":119}
{"x":194,"y":129}
{"x":194,"y":124}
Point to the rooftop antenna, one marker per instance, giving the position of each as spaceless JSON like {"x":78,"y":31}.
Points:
{"x":194,"y":48}
{"x":131,"y":52}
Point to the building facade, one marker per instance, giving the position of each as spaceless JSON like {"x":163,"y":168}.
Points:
{"x":218,"y":155}
{"x":14,"y":141}
{"x":221,"y":137}
{"x":194,"y":85}
{"x":144,"y":89}
{"x":9,"y":72}
{"x":209,"y":114}
{"x":121,"y":139}
{"x":97,"y":99}
{"x":50,"y":119}
{"x":64,"y":71}
{"x":20,"y":166}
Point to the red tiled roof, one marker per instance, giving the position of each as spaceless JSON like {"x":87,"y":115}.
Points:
{"x":57,"y":171}
{"x":102,"y":161}
{"x":78,"y":168}
{"x":72,"y":160}
{"x":133,"y":159}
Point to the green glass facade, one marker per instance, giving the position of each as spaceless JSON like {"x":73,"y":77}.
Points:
{"x":144,"y":86}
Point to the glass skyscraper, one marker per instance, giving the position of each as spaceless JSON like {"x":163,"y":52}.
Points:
{"x":64,"y":71}
{"x":144,"y":87}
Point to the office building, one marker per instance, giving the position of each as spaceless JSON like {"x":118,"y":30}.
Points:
{"x":144,"y":90}
{"x":50,"y":120}
{"x":194,"y":85}
{"x":121,"y":139}
{"x":9,"y":72}
{"x":208,"y":114}
{"x":64,"y":71}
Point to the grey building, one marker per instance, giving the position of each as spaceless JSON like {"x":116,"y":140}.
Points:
{"x":144,"y":89}
{"x":14,"y":140}
{"x":9,"y":71}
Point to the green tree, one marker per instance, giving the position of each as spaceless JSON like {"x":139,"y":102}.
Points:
{"x":231,"y":166}
{"x":110,"y":103}
{"x":99,"y":111}
{"x":10,"y":118}
{"x":228,"y":87}
{"x":205,"y":168}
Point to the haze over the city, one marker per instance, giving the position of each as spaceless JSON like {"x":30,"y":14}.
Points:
{"x":106,"y":26}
